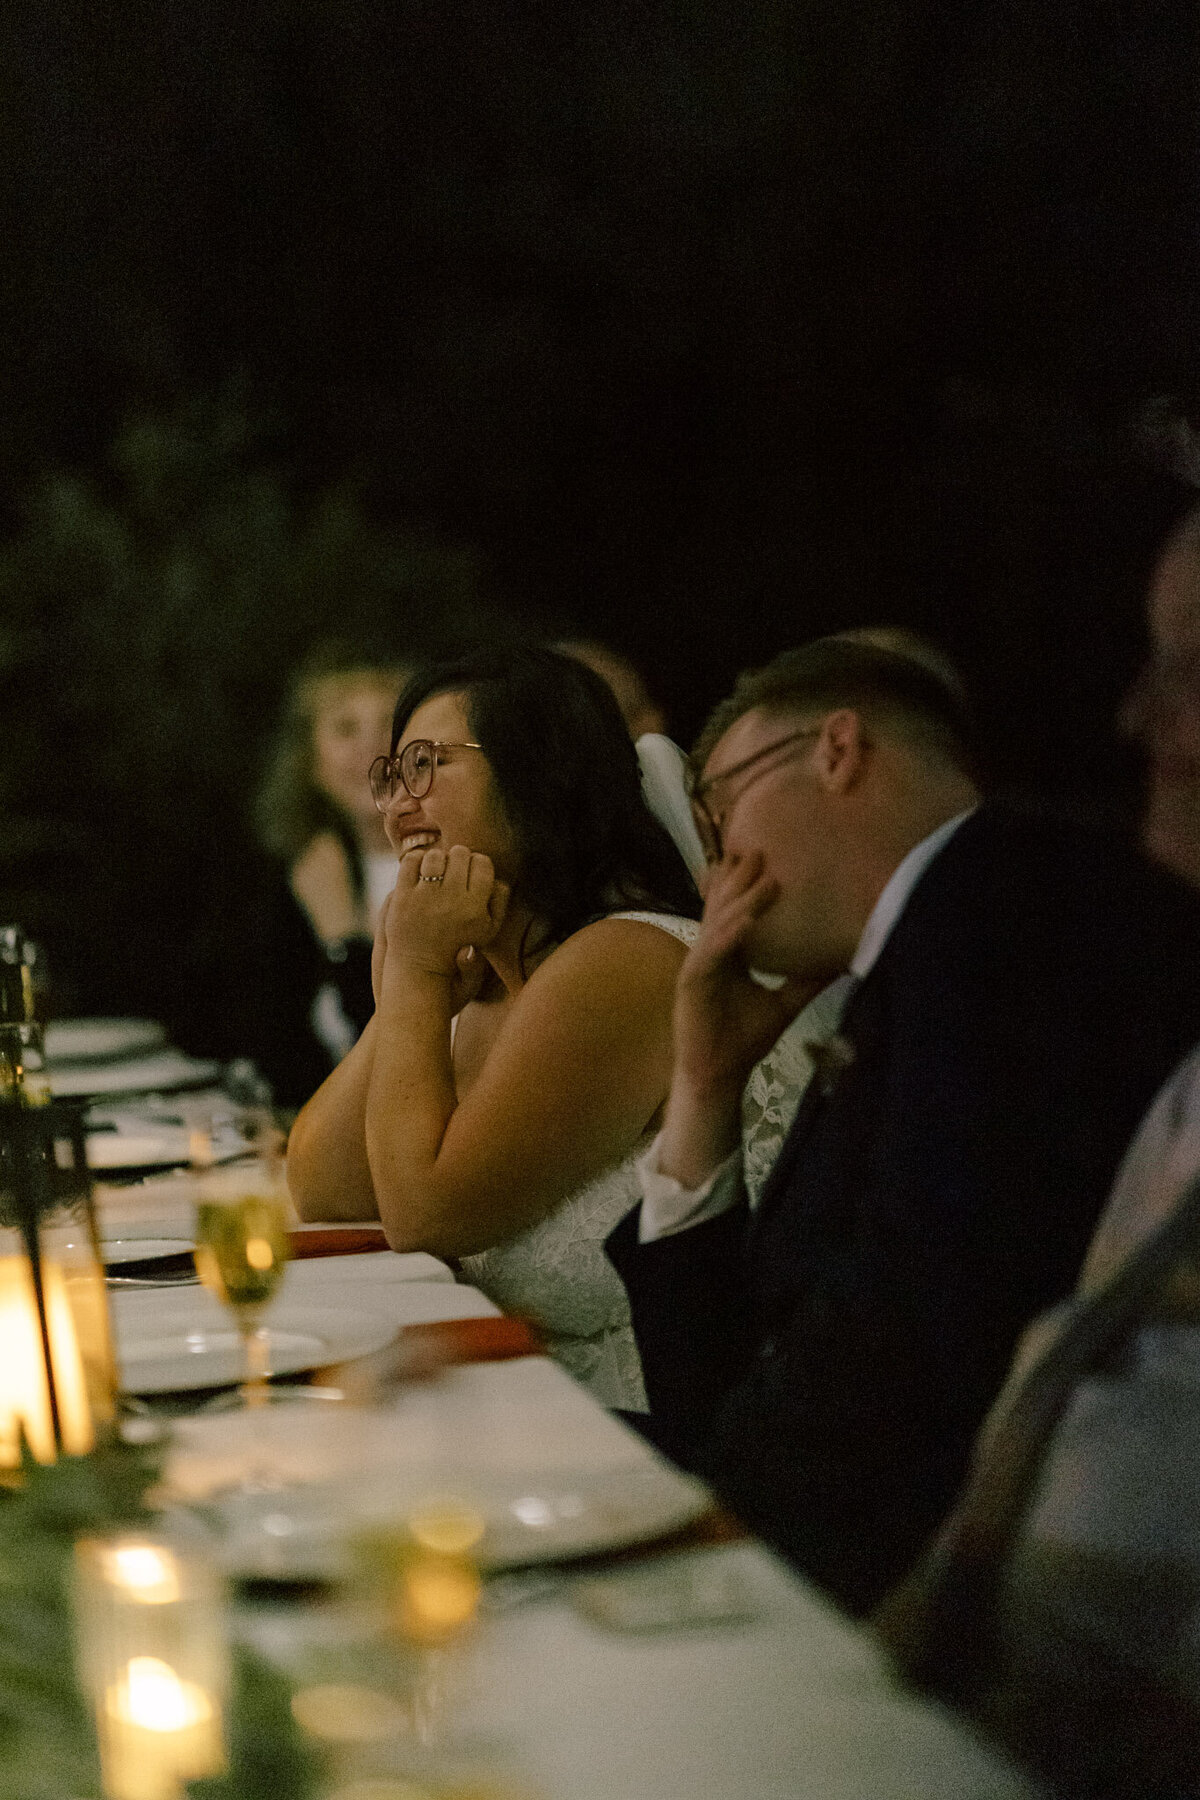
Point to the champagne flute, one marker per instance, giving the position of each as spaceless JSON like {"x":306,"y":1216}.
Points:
{"x":241,"y":1253}
{"x":242,"y":1216}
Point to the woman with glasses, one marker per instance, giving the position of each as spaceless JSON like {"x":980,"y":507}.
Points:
{"x":524,"y":974}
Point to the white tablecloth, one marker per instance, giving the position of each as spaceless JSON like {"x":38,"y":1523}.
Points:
{"x":796,"y":1702}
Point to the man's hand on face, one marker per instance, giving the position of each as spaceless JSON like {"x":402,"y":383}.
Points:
{"x":724,"y":1023}
{"x":724,"y":1020}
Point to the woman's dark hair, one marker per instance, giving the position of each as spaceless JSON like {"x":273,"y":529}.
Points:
{"x":567,"y":777}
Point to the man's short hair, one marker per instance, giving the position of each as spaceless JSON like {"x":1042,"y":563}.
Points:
{"x":895,"y":679}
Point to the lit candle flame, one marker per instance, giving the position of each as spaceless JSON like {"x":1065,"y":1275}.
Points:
{"x":153,"y":1697}
{"x":24,"y":1392}
{"x":150,"y":1574}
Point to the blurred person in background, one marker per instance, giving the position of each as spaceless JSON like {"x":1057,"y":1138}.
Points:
{"x":315,"y":814}
{"x":1162,"y":711}
{"x":524,"y":970}
{"x":640,"y":711}
{"x":286,"y":971}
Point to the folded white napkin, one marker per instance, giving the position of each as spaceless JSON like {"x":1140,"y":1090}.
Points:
{"x":373,"y":1268}
{"x":406,"y":1298}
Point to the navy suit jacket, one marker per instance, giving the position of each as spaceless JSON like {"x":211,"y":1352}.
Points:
{"x":827,"y":1363}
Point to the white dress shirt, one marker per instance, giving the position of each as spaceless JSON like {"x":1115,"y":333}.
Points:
{"x":667,"y":1206}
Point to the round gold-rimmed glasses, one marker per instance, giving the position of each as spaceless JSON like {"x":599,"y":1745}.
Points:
{"x":413,"y":770}
{"x":708,"y":822}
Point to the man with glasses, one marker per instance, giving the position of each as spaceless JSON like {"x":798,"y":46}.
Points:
{"x":1015,"y":1002}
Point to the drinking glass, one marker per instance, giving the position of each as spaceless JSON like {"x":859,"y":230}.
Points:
{"x":241,"y":1253}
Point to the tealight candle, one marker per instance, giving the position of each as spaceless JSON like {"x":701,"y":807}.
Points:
{"x":156,"y":1733}
{"x":24,"y":1388}
{"x":153,"y":1658}
{"x":57,"y":1374}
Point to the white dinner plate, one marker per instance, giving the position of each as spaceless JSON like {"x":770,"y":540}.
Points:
{"x":306,"y":1532}
{"x":550,"y":1521}
{"x":173,"y":1340}
{"x":162,"y":1072}
{"x":149,"y":1150}
{"x":101,"y":1040}
{"x":125,"y":1249}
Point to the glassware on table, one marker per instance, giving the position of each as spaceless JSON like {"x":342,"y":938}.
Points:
{"x":23,"y":1074}
{"x":58,"y":1378}
{"x":389,"y":1704}
{"x":419,"y":1580}
{"x":423,"y":1570}
{"x":153,"y":1658}
{"x":242,"y":1214}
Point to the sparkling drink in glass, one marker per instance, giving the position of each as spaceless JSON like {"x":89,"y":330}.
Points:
{"x":241,"y":1253}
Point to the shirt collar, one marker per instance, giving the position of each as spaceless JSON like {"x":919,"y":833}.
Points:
{"x":895,"y":896}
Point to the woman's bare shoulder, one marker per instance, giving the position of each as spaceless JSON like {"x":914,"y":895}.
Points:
{"x":628,"y":953}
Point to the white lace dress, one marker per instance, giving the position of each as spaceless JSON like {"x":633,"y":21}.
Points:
{"x":777,"y":1083}
{"x":556,"y":1273}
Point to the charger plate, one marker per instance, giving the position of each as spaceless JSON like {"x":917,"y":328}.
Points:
{"x":162,"y":1071}
{"x":101,"y":1040}
{"x":110,"y":1152}
{"x":180,"y":1340}
{"x":310,"y":1534}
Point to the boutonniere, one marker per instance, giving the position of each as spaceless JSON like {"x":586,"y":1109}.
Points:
{"x":831,"y":1057}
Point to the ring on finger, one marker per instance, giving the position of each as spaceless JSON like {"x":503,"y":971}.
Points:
{"x":431,"y":878}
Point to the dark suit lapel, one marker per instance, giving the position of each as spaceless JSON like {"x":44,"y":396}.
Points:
{"x":865,"y":1014}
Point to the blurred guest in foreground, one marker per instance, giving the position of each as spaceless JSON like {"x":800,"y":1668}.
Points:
{"x":315,"y":813}
{"x":524,"y":969}
{"x":1163,"y":710}
{"x":1061,"y":1600}
{"x":640,"y":711}
{"x":827,"y":1362}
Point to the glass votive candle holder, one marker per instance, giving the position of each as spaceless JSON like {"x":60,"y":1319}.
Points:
{"x":153,"y":1660}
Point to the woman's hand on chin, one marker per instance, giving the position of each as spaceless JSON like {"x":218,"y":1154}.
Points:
{"x":444,"y":904}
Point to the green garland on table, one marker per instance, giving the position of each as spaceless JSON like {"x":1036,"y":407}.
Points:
{"x":47,"y":1740}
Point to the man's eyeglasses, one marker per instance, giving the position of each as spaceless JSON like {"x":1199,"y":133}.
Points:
{"x":708,"y":820}
{"x":413,"y":770}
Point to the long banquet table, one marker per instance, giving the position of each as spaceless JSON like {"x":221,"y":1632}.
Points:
{"x":791,"y":1700}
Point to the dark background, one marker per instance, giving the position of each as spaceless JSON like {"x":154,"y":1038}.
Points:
{"x":696,"y":326}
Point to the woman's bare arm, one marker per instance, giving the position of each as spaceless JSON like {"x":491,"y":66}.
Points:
{"x":577,"y":1072}
{"x":328,"y":1174}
